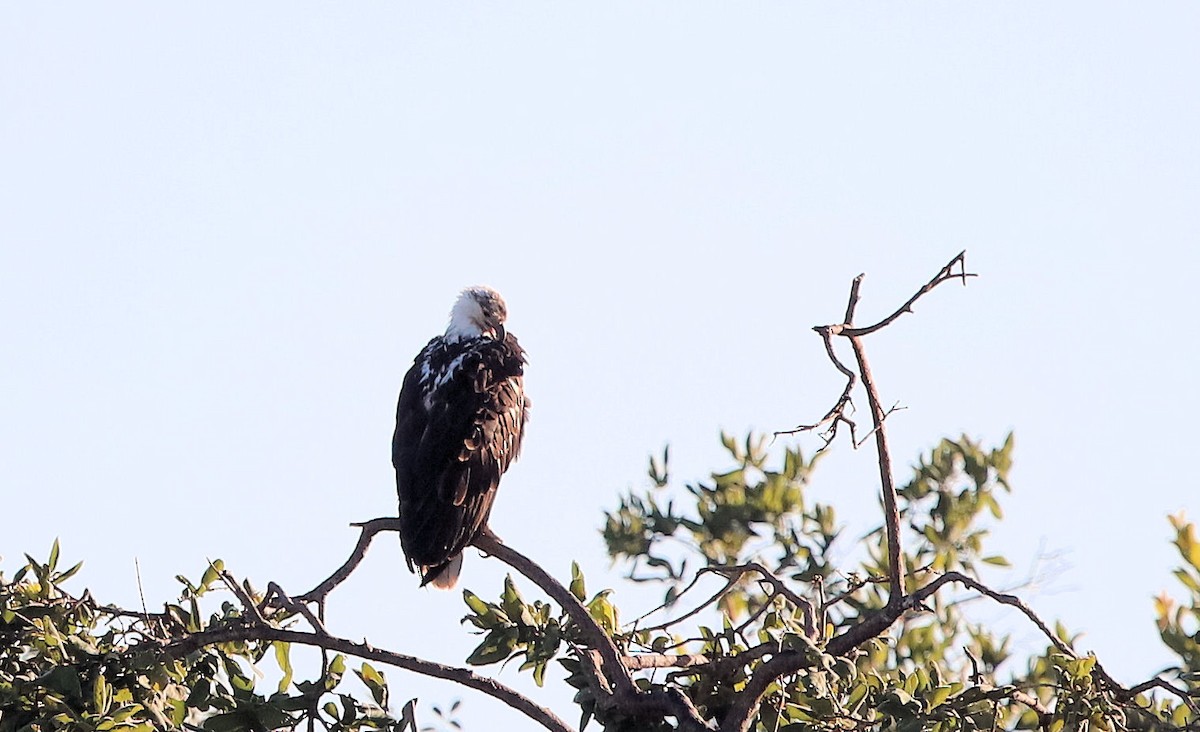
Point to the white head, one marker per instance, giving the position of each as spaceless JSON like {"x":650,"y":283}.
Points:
{"x":478,"y":311}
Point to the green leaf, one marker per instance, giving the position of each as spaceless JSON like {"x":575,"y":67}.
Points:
{"x":938,"y":695}
{"x":375,"y":682}
{"x":333,"y":676}
{"x":69,"y":573}
{"x":50,"y":565}
{"x":101,"y":694}
{"x":64,"y":680}
{"x":603,"y":612}
{"x":1082,"y":667}
{"x":177,"y":711}
{"x":577,"y":587}
{"x":370,"y":675}
{"x":477,"y":605}
{"x":997,"y":560}
{"x":212,"y":574}
{"x":283,"y":658}
{"x":497,"y":646}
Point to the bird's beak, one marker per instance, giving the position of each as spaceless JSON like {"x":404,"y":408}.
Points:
{"x":500,"y":333}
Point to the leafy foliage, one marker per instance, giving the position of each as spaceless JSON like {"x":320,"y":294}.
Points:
{"x":752,"y":569}
{"x":934,"y":669}
{"x":70,"y":663}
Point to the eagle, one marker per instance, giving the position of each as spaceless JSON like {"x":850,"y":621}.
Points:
{"x":459,"y":423}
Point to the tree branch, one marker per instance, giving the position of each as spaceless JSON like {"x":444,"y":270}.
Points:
{"x":614,"y":671}
{"x":465,"y":677}
{"x":891,"y":511}
{"x":946,"y":274}
{"x":369,"y":530}
{"x":837,"y":414}
{"x":625,"y":695}
{"x":741,"y":715}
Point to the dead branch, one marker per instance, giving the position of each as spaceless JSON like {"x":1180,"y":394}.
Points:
{"x":837,"y":413}
{"x":890,"y":508}
{"x":741,"y":715}
{"x":946,"y":274}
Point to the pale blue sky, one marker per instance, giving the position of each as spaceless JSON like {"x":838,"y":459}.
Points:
{"x":226,"y":230}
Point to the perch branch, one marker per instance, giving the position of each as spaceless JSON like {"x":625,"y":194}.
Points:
{"x":625,"y":694}
{"x":610,"y":658}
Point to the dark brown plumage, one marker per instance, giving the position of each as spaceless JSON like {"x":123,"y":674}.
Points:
{"x":459,"y":423}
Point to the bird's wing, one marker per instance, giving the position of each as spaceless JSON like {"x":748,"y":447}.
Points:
{"x":451,"y":448}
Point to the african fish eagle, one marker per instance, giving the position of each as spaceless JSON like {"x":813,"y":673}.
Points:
{"x":459,"y":423}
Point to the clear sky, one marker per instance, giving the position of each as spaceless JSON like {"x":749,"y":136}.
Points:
{"x":226,"y":229}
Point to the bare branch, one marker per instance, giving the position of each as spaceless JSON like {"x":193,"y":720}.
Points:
{"x":946,"y":274}
{"x":1189,"y":698}
{"x":369,"y":530}
{"x":852,"y":303}
{"x":778,"y":588}
{"x":887,"y":484}
{"x":276,"y":597}
{"x":920,"y":595}
{"x":894,"y":408}
{"x":837,"y":414}
{"x":729,"y":585}
{"x":696,"y":660}
{"x":641,"y":661}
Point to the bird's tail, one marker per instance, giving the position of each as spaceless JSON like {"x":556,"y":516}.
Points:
{"x":443,"y":576}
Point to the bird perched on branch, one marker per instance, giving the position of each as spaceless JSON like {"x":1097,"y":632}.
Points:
{"x":459,"y":423}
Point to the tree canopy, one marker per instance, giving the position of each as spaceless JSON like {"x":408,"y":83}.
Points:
{"x":763,"y":624}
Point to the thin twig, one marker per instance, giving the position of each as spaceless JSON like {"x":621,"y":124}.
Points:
{"x":137,"y":571}
{"x":778,"y":587}
{"x":276,"y":597}
{"x":837,"y":413}
{"x":895,"y":408}
{"x":729,"y":585}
